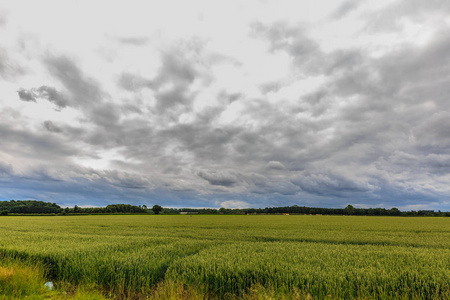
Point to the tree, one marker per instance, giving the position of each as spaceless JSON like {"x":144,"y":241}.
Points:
{"x":156,"y":209}
{"x":394,"y":211}
{"x":350,"y":210}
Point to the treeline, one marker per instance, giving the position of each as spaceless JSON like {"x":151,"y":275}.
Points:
{"x":349,"y":210}
{"x":40,"y":207}
{"x":109,"y":209}
{"x":28,"y":207}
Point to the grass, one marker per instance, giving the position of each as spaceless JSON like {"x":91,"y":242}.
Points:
{"x":226,"y":257}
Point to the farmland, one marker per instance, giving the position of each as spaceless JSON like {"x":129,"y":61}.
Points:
{"x":333,"y":257}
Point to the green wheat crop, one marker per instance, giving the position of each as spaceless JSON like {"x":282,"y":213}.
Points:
{"x":232,"y":256}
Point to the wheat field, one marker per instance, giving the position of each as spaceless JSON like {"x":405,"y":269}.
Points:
{"x":319,"y":257}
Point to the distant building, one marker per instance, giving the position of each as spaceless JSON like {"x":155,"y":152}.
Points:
{"x":189,"y":213}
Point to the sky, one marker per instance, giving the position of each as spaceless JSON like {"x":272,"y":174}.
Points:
{"x":231,"y":104}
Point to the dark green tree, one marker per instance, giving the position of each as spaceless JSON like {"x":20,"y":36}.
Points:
{"x":350,"y":210}
{"x":156,"y":209}
{"x":394,"y":211}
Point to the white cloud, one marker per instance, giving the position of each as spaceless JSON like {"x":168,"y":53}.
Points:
{"x":234,"y":204}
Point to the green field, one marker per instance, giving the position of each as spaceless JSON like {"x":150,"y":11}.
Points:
{"x":334,"y":257}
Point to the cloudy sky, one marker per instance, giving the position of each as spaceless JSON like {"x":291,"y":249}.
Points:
{"x":226,"y":103}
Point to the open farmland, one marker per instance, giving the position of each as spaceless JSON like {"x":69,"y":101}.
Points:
{"x":233,"y":256}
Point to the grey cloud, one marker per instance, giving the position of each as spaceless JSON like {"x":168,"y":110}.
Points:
{"x":176,"y":98}
{"x":340,"y":60}
{"x":45,"y":92}
{"x":9,"y":68}
{"x":5,"y":168}
{"x":180,"y":66}
{"x":133,"y":83}
{"x":85,"y":93}
{"x":327,"y":184}
{"x":171,"y":84}
{"x":222,"y":178}
{"x":84,"y":90}
{"x":275,"y":165}
{"x":134,"y":41}
{"x":362,"y":113}
{"x":294,"y":40}
{"x":229,"y":98}
{"x":82,"y":186}
{"x":201,"y":141}
{"x":438,"y":164}
{"x":105,"y":114}
{"x":40,"y":147}
{"x":26,"y":95}
{"x":51,"y":127}
{"x":433,"y":133}
{"x":388,"y":18}
{"x":345,"y":8}
{"x":306,"y":53}
{"x":3,"y":19}
{"x":280,"y":186}
{"x":52,"y":95}
{"x":124,"y":179}
{"x":284,"y":37}
{"x":131,"y":108}
{"x":419,"y":165}
{"x":40,"y":174}
{"x":375,"y":122}
{"x":399,"y":104}
{"x":176,"y":68}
